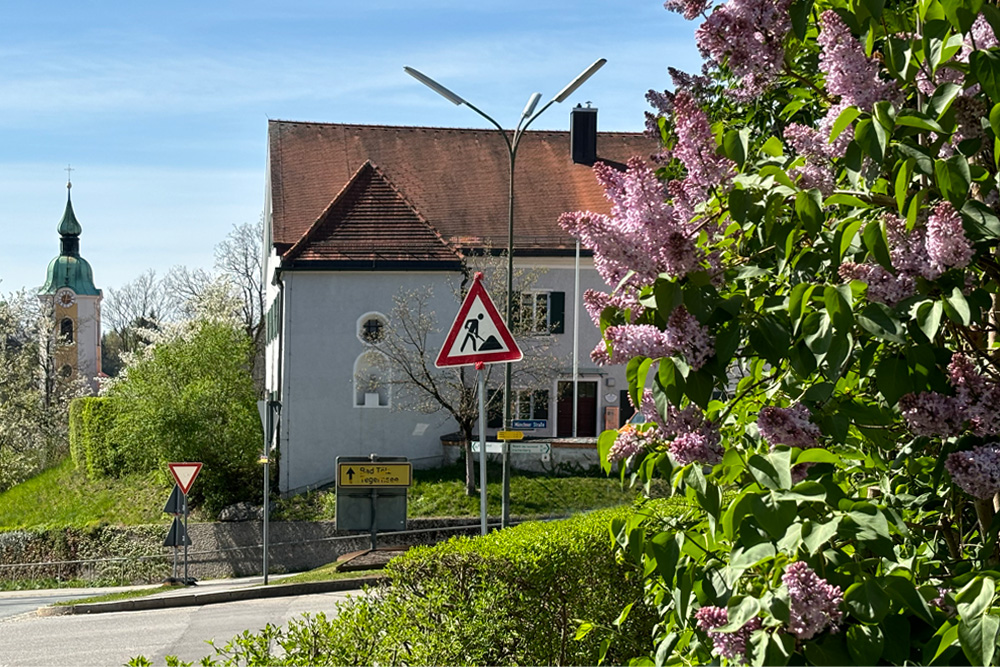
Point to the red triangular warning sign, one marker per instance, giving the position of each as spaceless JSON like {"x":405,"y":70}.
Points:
{"x":478,"y":334}
{"x":184,"y":474}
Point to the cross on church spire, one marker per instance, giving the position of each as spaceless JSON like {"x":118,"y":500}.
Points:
{"x":69,"y":176}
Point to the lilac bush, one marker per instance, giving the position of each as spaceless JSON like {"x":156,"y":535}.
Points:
{"x":803,"y":285}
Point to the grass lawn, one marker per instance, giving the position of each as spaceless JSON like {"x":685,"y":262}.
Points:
{"x":326,"y":572}
{"x":115,"y":597}
{"x":441,"y":492}
{"x":63,"y":496}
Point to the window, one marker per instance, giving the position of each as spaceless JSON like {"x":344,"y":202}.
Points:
{"x":525,"y":404}
{"x":530,"y":404}
{"x":66,"y":331}
{"x":66,"y":371}
{"x":541,"y":313}
{"x":371,"y":383}
{"x":371,"y":328}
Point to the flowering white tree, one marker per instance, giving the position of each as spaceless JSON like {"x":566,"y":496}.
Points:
{"x":805,"y":293}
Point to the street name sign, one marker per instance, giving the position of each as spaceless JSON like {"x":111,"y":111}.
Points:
{"x":374,"y":474}
{"x":479,"y":334}
{"x":541,"y":448}
{"x":529,"y":424}
{"x":184,"y":474}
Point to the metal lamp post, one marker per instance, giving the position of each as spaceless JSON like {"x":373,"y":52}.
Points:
{"x":511,"y":142}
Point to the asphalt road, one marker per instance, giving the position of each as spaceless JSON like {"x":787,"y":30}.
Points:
{"x":114,"y":638}
{"x":13,"y":603}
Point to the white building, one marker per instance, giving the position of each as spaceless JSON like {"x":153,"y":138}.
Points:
{"x":355,"y":212}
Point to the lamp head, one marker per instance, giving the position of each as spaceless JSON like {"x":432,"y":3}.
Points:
{"x":529,"y":108}
{"x":435,"y":86}
{"x":578,"y":81}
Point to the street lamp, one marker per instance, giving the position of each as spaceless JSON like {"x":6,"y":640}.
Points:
{"x":511,"y":142}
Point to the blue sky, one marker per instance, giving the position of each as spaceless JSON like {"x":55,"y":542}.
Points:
{"x":162,"y":108}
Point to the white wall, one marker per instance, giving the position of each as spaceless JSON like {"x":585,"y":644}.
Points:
{"x":319,"y":348}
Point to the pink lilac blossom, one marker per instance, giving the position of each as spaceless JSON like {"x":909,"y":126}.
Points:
{"x":788,"y":426}
{"x":947,"y":246}
{"x":663,"y":105}
{"x":625,"y":300}
{"x":629,"y":442}
{"x":643,"y":236}
{"x":748,"y":37}
{"x":812,"y":175}
{"x":978,"y":396}
{"x":968,"y":114}
{"x":702,"y":446}
{"x":690,"y":9}
{"x":728,"y":645}
{"x":883,"y":287}
{"x":696,"y":147}
{"x":932,"y":414}
{"x":683,"y":336}
{"x":981,"y":36}
{"x":693,"y":438}
{"x":814,"y":605}
{"x":850,"y":74}
{"x":976,"y":471}
{"x":908,"y":249}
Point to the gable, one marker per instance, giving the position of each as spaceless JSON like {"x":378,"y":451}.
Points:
{"x":371,"y":222}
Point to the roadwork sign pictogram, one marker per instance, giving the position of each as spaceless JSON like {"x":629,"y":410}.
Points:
{"x":478,"y":334}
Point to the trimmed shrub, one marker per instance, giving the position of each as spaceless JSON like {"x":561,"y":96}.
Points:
{"x":91,"y":424}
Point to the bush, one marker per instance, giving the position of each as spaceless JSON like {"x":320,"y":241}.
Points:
{"x":91,"y":423}
{"x":192,"y":398}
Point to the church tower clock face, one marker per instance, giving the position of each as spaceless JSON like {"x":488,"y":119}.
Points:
{"x":65,"y":297}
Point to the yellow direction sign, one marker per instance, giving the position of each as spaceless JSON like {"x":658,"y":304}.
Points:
{"x":374,"y":474}
{"x":510,"y":435}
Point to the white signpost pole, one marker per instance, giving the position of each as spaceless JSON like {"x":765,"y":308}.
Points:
{"x":481,"y":377}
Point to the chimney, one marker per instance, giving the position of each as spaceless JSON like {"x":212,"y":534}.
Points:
{"x":583,"y":134}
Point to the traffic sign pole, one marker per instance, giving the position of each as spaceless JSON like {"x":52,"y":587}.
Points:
{"x":482,"y":450}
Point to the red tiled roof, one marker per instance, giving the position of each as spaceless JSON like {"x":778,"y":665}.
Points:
{"x":367,"y":213}
{"x":453,"y":181}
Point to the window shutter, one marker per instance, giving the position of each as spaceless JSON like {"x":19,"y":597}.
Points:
{"x":557,"y":312}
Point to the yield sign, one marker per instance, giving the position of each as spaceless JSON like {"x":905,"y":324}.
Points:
{"x":184,"y":474}
{"x":478,"y":334}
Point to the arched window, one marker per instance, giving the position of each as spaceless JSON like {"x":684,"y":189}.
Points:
{"x":66,"y":371}
{"x":371,"y":328}
{"x":371,"y":381}
{"x":66,"y":330}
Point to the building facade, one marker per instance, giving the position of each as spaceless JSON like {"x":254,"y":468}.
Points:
{"x":355,"y":215}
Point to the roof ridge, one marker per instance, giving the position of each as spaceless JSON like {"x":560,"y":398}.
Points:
{"x":278,"y":121}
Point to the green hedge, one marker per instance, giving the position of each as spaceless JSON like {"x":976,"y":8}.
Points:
{"x":91,"y":422}
{"x":519,"y":596}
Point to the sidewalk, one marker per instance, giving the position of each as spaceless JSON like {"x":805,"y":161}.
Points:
{"x":211,"y":592}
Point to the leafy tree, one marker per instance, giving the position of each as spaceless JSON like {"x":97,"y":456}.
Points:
{"x":410,"y":345}
{"x":806,"y":300}
{"x":190,"y":397}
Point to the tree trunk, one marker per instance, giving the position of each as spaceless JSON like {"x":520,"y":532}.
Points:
{"x":470,"y":471}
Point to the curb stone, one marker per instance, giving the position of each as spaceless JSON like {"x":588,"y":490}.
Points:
{"x":216,"y":597}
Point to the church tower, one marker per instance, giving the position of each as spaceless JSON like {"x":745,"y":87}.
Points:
{"x":70,"y":296}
